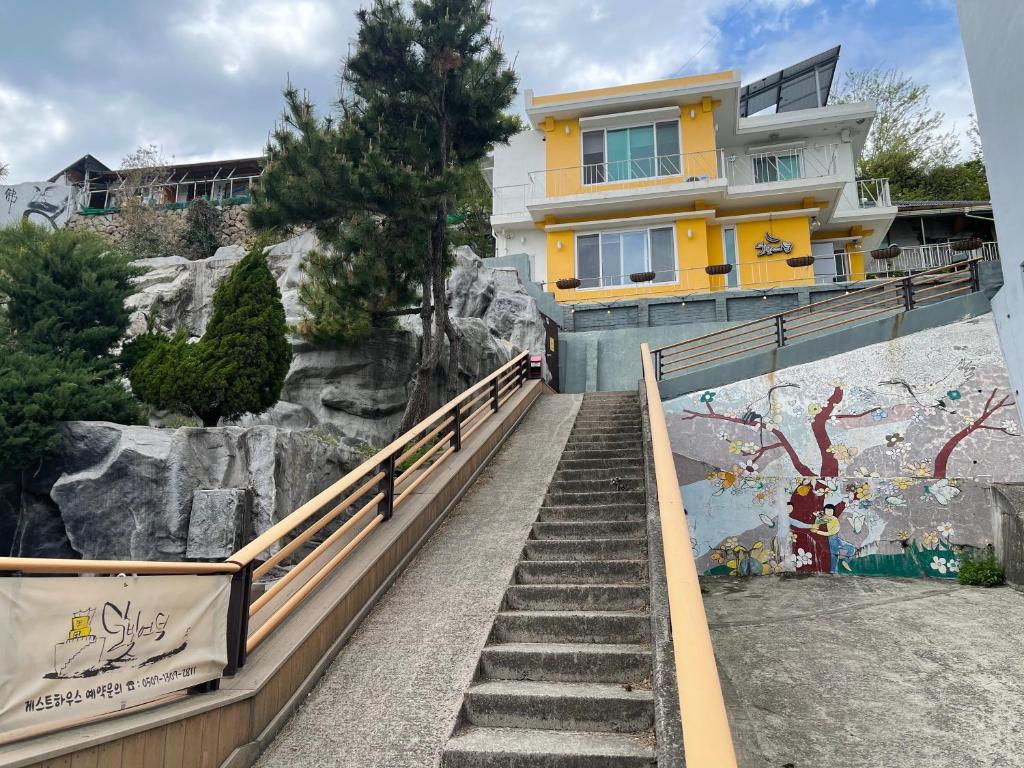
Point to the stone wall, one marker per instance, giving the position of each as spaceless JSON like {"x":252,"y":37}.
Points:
{"x":233,"y":229}
{"x":879,"y":461}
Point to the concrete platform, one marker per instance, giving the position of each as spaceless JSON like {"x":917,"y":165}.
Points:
{"x":848,"y":672}
{"x":390,"y":698}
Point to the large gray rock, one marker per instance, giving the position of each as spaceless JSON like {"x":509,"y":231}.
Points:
{"x":126,"y":492}
{"x":218,"y":523}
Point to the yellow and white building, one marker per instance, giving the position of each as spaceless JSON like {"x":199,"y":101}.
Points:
{"x":667,"y":177}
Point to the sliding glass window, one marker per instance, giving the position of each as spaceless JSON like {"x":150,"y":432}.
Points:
{"x":607,"y":259}
{"x":637,"y":152}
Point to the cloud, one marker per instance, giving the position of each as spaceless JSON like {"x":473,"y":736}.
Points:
{"x":237,"y":33}
{"x":28,"y":126}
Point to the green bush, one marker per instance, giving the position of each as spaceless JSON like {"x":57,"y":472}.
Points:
{"x":240,"y":363}
{"x":981,"y":570}
{"x":200,"y":234}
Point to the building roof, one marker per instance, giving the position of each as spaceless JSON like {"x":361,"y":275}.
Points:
{"x":199,"y":169}
{"x":934,"y":207}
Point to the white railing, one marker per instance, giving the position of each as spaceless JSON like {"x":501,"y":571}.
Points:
{"x":510,"y":199}
{"x":164,"y":193}
{"x":692,"y":167}
{"x":781,"y":165}
{"x":930,"y":256}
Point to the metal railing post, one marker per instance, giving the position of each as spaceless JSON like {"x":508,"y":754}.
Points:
{"x":238,"y":619}
{"x":387,"y":487}
{"x":975,"y":277}
{"x":457,"y":428}
{"x":908,"y":294}
{"x":780,"y":330}
{"x":494,"y":394}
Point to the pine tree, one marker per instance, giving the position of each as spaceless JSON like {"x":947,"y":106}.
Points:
{"x":237,"y":367}
{"x":424,"y":95}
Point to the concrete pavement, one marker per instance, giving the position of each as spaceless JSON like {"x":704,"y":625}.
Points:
{"x":849,"y":672}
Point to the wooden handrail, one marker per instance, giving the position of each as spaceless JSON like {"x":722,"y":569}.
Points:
{"x":811,"y":308}
{"x":264,"y":541}
{"x":707,"y":739}
{"x":111,"y":567}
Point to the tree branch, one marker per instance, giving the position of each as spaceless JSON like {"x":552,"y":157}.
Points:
{"x":942,"y":458}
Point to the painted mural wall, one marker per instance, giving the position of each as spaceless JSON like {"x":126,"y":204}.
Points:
{"x":45,"y":203}
{"x":873,"y":462}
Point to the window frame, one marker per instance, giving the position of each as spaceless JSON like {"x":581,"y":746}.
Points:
{"x":671,"y":226}
{"x":657,"y":156}
{"x":772,"y":161}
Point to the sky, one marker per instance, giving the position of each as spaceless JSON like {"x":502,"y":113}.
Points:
{"x":202,"y":79}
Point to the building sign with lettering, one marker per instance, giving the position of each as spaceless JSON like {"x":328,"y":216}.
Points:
{"x":81,"y":647}
{"x":45,"y":203}
{"x":772,"y":245}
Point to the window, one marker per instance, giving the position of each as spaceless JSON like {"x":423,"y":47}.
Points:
{"x":608,"y":259}
{"x":637,"y":152}
{"x":776,"y":167}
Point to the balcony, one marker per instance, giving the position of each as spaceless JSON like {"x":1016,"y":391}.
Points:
{"x":776,"y":166}
{"x":638,"y":173}
{"x":916,"y":257}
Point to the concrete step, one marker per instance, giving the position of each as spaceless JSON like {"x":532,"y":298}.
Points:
{"x":598,"y":481}
{"x":590,"y":498}
{"x":606,"y":424}
{"x":475,"y":747}
{"x":604,"y":438}
{"x":635,"y":462}
{"x":565,"y":514}
{"x":571,"y":627}
{"x":597,"y":473}
{"x":593,"y":550}
{"x":576,"y":597}
{"x":581,"y":572}
{"x":591,"y":529}
{"x":607,"y":454}
{"x":567,"y":662}
{"x":610,"y":411}
{"x":603,"y":707}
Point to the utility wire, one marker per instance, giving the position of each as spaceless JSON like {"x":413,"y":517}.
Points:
{"x":707,"y":42}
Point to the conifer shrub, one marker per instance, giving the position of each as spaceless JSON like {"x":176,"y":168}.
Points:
{"x":239,"y":364}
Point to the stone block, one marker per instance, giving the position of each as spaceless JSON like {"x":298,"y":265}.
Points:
{"x":218,"y":524}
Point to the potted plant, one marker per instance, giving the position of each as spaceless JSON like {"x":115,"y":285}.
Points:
{"x":800,"y":261}
{"x":642,"y":277}
{"x":966,"y":244}
{"x":568,"y":283}
{"x":718,"y":269}
{"x":886,"y":254}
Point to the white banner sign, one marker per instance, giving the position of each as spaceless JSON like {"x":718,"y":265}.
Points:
{"x":44,"y":202}
{"x":78,"y":647}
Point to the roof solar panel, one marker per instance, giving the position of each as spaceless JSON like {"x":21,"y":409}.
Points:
{"x":805,"y":85}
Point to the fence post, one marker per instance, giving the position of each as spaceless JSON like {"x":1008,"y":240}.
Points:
{"x":238,"y":618}
{"x":975,"y":276}
{"x":494,"y":394}
{"x":387,"y":487}
{"x":908,"y":294}
{"x":457,"y":428}
{"x":657,"y":364}
{"x":780,"y":330}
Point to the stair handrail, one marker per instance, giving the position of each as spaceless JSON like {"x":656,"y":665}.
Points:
{"x":707,"y":738}
{"x":850,"y":297}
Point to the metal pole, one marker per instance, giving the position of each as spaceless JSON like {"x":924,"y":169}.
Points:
{"x":387,"y":487}
{"x":457,"y":428}
{"x":975,"y":277}
{"x":494,"y":394}
{"x":780,"y":330}
{"x":238,"y":619}
{"x":908,"y":294}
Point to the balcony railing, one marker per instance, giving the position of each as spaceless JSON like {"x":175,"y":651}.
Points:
{"x":781,"y":165}
{"x":915,"y":257}
{"x":625,"y":174}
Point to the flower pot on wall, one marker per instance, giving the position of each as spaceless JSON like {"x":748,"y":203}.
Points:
{"x":966,"y":244}
{"x":718,"y":269}
{"x":568,"y":283}
{"x":800,"y":261}
{"x":886,"y":254}
{"x":642,"y":277}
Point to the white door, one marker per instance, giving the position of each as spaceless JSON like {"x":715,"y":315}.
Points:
{"x":824,"y":262}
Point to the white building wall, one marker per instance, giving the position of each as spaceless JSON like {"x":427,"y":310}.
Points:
{"x":992,"y":31}
{"x":514,"y":231}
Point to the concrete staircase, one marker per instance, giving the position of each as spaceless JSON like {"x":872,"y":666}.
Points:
{"x":565,"y":678}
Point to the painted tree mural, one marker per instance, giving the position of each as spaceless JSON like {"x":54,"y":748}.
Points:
{"x":826,"y":487}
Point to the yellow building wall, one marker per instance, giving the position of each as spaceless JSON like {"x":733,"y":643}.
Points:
{"x":771,"y":271}
{"x":564,"y":154}
{"x":716,"y":255}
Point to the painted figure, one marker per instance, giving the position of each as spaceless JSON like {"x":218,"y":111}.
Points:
{"x":840,"y":550}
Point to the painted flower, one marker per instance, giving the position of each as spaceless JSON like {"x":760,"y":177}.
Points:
{"x":930,"y":539}
{"x":941,"y":490}
{"x":902,"y":534}
{"x":792,"y":536}
{"x":918,"y":470}
{"x":843,"y":452}
{"x":953,"y":394}
{"x":736,"y":447}
{"x":717,"y":556}
{"x":903,"y":483}
{"x":707,"y":397}
{"x":803,"y":558}
{"x":749,"y":468}
{"x":894,"y":439}
{"x":813,"y":409}
{"x":946,"y":530}
{"x":731,"y":543}
{"x":880,"y":415}
{"x":1009,"y":425}
{"x":723,"y":435}
{"x":939,"y":564}
{"x":953,"y":565}
{"x":865,"y":472}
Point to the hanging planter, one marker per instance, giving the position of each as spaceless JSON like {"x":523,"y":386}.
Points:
{"x":967,"y":244}
{"x":800,"y":261}
{"x":886,"y":254}
{"x":568,"y":283}
{"x":718,"y":269}
{"x":642,"y":277}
